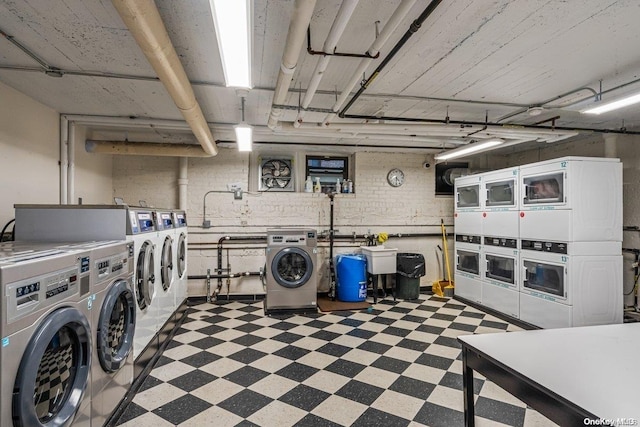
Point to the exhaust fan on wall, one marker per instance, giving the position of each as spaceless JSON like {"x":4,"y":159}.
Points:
{"x":276,"y":174}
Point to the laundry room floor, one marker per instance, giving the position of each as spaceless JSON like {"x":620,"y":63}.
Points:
{"x":399,"y":365}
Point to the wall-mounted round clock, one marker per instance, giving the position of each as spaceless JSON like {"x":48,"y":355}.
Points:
{"x":395,"y":177}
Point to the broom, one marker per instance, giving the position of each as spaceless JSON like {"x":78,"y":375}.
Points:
{"x":448,"y":290}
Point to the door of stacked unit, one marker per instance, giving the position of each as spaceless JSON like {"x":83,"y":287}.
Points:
{"x":468,"y":271}
{"x":500,"y":279}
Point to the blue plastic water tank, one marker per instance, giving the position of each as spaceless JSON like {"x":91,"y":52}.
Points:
{"x":351,"y":274}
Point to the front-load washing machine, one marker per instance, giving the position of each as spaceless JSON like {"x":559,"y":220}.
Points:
{"x":113,"y":321}
{"x":180,"y":253}
{"x":165,"y":278}
{"x":292,"y":270}
{"x":142,"y":232}
{"x":46,"y":339}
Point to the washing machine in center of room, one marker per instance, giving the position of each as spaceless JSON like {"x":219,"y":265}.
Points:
{"x":46,"y":339}
{"x":165,"y":277}
{"x":292,"y":270}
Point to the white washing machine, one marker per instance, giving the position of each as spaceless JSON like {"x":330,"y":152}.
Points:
{"x":571,"y":284}
{"x":141,"y":231}
{"x":46,"y":339}
{"x":468,"y":273}
{"x":165,"y":265}
{"x":500,"y":203}
{"x":468,"y":209}
{"x":180,"y":252}
{"x":500,"y":279}
{"x":292,"y":270}
{"x":571,"y":199}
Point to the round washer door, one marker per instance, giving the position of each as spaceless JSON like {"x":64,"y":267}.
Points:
{"x":116,"y":325}
{"x":54,"y":371}
{"x":145,"y":278}
{"x":291,"y":267}
{"x":166,"y":263}
{"x":182,"y":255}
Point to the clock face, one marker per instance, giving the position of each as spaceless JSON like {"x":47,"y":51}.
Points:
{"x":395,"y":177}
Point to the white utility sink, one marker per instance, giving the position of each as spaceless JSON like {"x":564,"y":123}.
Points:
{"x":380,"y":260}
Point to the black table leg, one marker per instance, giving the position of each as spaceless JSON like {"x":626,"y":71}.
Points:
{"x":467,"y":390}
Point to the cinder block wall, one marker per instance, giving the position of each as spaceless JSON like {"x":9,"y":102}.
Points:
{"x":375,"y":207}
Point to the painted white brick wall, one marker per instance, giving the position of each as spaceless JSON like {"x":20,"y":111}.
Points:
{"x":375,"y":207}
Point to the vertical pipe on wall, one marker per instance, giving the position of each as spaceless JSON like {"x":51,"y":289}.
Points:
{"x":64,"y":159}
{"x":71,"y":156}
{"x":183,"y":181}
{"x":610,"y":146}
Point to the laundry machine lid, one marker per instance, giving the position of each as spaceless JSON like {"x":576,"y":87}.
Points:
{"x":166,"y":263}
{"x":145,"y":277}
{"x":54,"y":371}
{"x":116,"y":325}
{"x":291,"y":267}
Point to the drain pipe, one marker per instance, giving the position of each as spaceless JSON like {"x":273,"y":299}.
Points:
{"x":413,"y":28}
{"x":397,"y":16}
{"x":223,"y":239}
{"x":71,"y":157}
{"x":183,"y":182}
{"x":610,"y":146}
{"x":144,"y":21}
{"x":300,"y":19}
{"x":339,"y":25}
{"x":64,"y":159}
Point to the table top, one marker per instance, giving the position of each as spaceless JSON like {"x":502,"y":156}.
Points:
{"x":595,"y":367}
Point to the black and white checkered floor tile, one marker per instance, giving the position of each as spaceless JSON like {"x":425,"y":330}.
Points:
{"x":396,"y":365}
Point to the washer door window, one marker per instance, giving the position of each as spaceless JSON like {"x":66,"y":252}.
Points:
{"x":468,"y":262}
{"x":182,"y":255}
{"x":291,"y":267}
{"x":166,"y":263}
{"x":115,"y":327}
{"x":145,"y":278}
{"x":54,"y":371}
{"x":543,"y":277}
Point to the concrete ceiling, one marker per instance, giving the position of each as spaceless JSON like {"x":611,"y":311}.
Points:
{"x":501,"y":56}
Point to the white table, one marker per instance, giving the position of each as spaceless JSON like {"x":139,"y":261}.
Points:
{"x":565,"y":374}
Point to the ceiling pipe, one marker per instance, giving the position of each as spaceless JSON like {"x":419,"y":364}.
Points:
{"x":413,"y":28}
{"x":397,"y":16}
{"x":335,"y":33}
{"x":300,"y":19}
{"x":132,"y":148}
{"x":144,"y":21}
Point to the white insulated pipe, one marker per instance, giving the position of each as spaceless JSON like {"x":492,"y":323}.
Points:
{"x":64,"y":157}
{"x":397,"y":16}
{"x":300,"y":19}
{"x":71,"y":171}
{"x":183,"y":182}
{"x":144,"y":149}
{"x":610,"y":146}
{"x":144,"y":21}
{"x":335,"y":33}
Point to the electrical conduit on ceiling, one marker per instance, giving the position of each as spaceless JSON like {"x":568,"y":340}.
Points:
{"x":300,"y":19}
{"x":144,"y":21}
{"x":335,"y":33}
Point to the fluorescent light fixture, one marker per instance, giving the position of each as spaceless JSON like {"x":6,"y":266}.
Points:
{"x":468,"y":149}
{"x":244,"y":137}
{"x":232,"y":20}
{"x":614,"y":105}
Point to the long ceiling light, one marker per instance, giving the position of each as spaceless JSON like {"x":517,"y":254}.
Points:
{"x":468,"y":149}
{"x":614,"y":105}
{"x":244,"y":137}
{"x":232,"y":20}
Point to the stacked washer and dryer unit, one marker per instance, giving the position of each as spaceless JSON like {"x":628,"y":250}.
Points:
{"x":291,"y":270}
{"x":551,"y":240}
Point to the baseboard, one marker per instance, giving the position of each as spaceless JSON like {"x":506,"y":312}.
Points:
{"x":513,"y":320}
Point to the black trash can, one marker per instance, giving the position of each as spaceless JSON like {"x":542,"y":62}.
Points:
{"x":410,"y":268}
